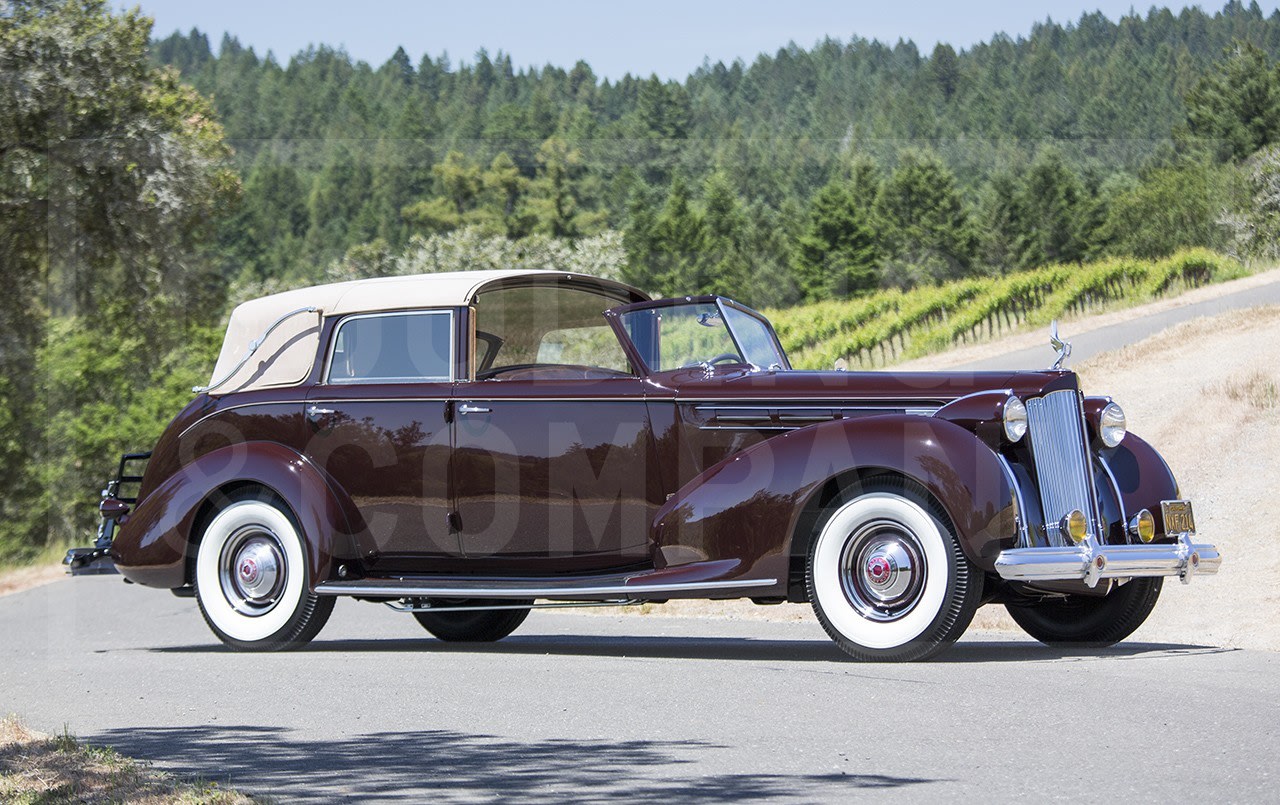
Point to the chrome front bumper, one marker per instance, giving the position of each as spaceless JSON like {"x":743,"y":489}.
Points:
{"x":1090,"y":562}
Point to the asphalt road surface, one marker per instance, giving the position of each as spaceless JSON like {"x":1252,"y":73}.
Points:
{"x":1086,"y":345}
{"x":576,"y":708}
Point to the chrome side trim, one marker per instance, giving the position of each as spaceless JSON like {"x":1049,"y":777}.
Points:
{"x":1115,"y":488}
{"x":407,"y":588}
{"x":231,"y":408}
{"x":1024,"y":531}
{"x":761,"y":417}
{"x":844,"y":402}
{"x":409,"y":605}
{"x":253,"y":347}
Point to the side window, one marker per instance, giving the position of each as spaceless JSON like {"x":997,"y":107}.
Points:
{"x":392,"y":348}
{"x":546,"y":331}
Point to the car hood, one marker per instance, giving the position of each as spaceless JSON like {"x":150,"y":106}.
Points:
{"x":924,"y":388}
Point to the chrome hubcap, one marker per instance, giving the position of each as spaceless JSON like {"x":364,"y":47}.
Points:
{"x":882,"y":570}
{"x":252,"y":571}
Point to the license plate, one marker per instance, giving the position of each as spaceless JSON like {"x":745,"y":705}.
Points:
{"x":1178,"y":518}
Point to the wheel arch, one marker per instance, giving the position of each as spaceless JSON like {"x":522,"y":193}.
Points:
{"x":820,"y":505}
{"x":155,"y":546}
{"x":228,"y":493}
{"x":760,"y":506}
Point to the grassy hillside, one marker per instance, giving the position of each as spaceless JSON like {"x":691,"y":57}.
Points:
{"x":895,"y":325}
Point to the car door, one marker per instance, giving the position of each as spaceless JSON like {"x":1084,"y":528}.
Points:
{"x":554,"y":469}
{"x":378,"y":424}
{"x":554,"y":476}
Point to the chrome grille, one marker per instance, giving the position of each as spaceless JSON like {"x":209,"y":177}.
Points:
{"x":1063,"y":471}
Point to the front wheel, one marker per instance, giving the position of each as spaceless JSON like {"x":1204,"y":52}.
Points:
{"x":474,"y":626}
{"x":888,"y":579}
{"x":251,"y":579}
{"x":1090,"y":622}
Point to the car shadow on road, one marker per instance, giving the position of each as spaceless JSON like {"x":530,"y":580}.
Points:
{"x":426,"y":765}
{"x":726,"y":648}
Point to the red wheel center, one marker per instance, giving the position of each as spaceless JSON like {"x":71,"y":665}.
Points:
{"x":879,"y":569}
{"x":248,"y":570}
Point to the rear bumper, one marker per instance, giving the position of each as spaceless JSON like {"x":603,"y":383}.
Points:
{"x":89,"y":562}
{"x":1091,"y":563}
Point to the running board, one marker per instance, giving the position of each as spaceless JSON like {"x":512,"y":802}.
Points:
{"x":524,"y":588}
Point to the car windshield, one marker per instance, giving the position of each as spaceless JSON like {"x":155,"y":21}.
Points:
{"x":701,"y":333}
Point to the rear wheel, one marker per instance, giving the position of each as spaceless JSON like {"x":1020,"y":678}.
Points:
{"x":1090,"y":622}
{"x":251,"y":578}
{"x":888,"y":579}
{"x":474,"y":626}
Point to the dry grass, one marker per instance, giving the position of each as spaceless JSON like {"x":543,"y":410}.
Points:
{"x":1257,"y":389}
{"x":15,"y":580}
{"x":37,"y":768}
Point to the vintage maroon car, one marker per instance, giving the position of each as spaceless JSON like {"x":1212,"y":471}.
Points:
{"x":468,"y":446}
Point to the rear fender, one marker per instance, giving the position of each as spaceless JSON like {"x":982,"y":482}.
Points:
{"x":153,"y":543}
{"x":755,"y":503}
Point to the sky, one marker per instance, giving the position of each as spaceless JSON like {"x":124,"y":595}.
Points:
{"x":668,"y":37}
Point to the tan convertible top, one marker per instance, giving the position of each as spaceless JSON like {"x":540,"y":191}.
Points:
{"x":288,"y":352}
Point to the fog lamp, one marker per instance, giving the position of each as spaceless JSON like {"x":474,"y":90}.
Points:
{"x":1074,"y":525}
{"x":1143,"y":526}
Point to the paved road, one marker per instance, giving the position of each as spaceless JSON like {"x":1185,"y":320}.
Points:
{"x":580,"y":708}
{"x":1086,"y":345}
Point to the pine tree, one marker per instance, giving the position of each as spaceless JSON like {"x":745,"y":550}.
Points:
{"x":924,"y":226}
{"x":1237,"y":104}
{"x":836,"y":255}
{"x":1051,"y":203}
{"x":722,"y":267}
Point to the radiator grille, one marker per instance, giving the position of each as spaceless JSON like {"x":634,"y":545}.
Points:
{"x":1063,"y":471}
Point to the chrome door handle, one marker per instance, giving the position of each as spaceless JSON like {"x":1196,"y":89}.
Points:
{"x":467,"y":408}
{"x":315,"y":410}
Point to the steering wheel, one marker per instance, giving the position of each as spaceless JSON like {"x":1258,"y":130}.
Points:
{"x":725,"y":356}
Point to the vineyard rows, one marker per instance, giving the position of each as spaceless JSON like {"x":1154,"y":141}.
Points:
{"x":894,"y":325}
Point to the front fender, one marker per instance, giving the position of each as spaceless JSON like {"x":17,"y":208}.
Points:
{"x":751,"y":505}
{"x":152,"y":544}
{"x":1143,"y":477}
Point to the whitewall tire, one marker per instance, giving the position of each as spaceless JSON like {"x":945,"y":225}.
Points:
{"x":251,"y":578}
{"x":887,"y":577}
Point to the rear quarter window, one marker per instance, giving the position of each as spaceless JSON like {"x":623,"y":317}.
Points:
{"x":393,"y":347}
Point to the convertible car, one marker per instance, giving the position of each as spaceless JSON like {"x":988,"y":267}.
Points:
{"x":467,"y":447}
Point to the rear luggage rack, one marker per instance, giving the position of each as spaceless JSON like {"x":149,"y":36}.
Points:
{"x":96,"y":561}
{"x":113,"y":486}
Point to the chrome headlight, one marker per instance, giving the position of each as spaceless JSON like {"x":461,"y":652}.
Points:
{"x":1112,"y":425}
{"x":1015,"y":419}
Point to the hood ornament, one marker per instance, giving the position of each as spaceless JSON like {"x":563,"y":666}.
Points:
{"x":1063,"y":347}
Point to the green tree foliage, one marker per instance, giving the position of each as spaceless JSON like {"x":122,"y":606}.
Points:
{"x":1050,"y":211}
{"x":1237,"y":103}
{"x":679,"y":239}
{"x":924,"y":224}
{"x":110,"y":172}
{"x":944,"y":68}
{"x":1106,"y":92}
{"x":554,"y":195}
{"x":1173,"y":207}
{"x":725,"y":257}
{"x":1253,"y":228}
{"x":836,"y":255}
